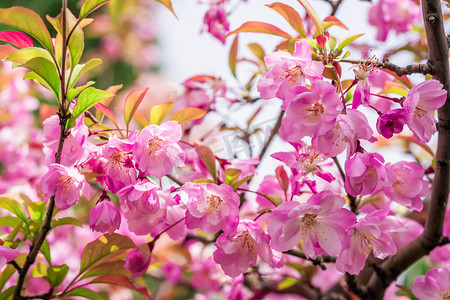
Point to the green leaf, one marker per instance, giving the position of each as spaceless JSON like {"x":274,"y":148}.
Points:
{"x":87,"y":293}
{"x":39,"y":270}
{"x":10,"y":221}
{"x":187,"y":115}
{"x":132,"y":103}
{"x":27,"y":20}
{"x":291,"y":15}
{"x":45,"y":250}
{"x":395,"y":90}
{"x":88,"y":98}
{"x":347,"y":41}
{"x":258,"y":51}
{"x":313,"y":14}
{"x":8,"y":293}
{"x":38,"y":79}
{"x":168,"y":4}
{"x":207,"y":157}
{"x":103,"y":247}
{"x":123,"y":281}
{"x":108,"y":268}
{"x":46,"y":70}
{"x":9,"y":270}
{"x":159,"y":112}
{"x":231,"y":175}
{"x":36,"y":211}
{"x":80,"y":70}
{"x":73,"y":93}
{"x":56,"y":275}
{"x":65,"y":221}
{"x":233,"y":55}
{"x":261,"y":27}
{"x":241,"y":182}
{"x":91,"y":5}
{"x":24,"y":55}
{"x":13,"y":206}
{"x":288,"y":282}
{"x":76,"y":41}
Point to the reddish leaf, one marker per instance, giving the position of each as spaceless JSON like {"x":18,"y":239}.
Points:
{"x":321,"y":40}
{"x":16,"y":38}
{"x":291,"y":15}
{"x":132,"y":103}
{"x":313,"y":14}
{"x":159,"y":112}
{"x":261,"y":27}
{"x":106,"y":111}
{"x":335,"y":21}
{"x":282,"y":178}
{"x":207,"y":157}
{"x":6,"y":50}
{"x":258,"y":51}
{"x":125,"y":282}
{"x":233,"y":55}
{"x":168,"y":4}
{"x":188,"y":114}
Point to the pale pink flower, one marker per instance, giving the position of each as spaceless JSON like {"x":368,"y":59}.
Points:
{"x":433,"y":286}
{"x":366,"y":236}
{"x":364,"y":171}
{"x":172,"y":272}
{"x":66,"y":184}
{"x":75,"y":145}
{"x":104,"y":217}
{"x":216,"y":22}
{"x":409,"y":185}
{"x":157,"y":151}
{"x":137,"y":262}
{"x":419,"y":104}
{"x":391,"y":122}
{"x":210,"y":207}
{"x":397,"y":15}
{"x":270,"y":187}
{"x":318,"y":226}
{"x":288,"y":71}
{"x":237,"y":250}
{"x":140,"y":196}
{"x":311,"y":113}
{"x":204,"y":275}
{"x":348,"y":129}
{"x":7,"y":254}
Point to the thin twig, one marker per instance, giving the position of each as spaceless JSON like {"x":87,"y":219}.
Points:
{"x":15,"y":265}
{"x":426,"y":68}
{"x":275,"y":130}
{"x":318,"y":261}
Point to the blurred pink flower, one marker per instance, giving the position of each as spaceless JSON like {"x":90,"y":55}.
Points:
{"x":104,"y":217}
{"x":435,"y":285}
{"x":7,"y":254}
{"x":216,"y":23}
{"x":137,"y":262}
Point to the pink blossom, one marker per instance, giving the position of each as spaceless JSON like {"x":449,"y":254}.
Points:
{"x":157,"y":151}
{"x":311,"y":113}
{"x":204,"y":275}
{"x":172,"y":272}
{"x":345,"y":133}
{"x":435,"y":285}
{"x":216,"y":23}
{"x":118,"y":163}
{"x":140,"y":196}
{"x":391,"y":122}
{"x":7,"y":254}
{"x":409,"y":185}
{"x":75,"y":146}
{"x":137,"y":262}
{"x":362,"y":90}
{"x":364,"y":171}
{"x":104,"y":217}
{"x":210,"y":207}
{"x":366,"y":236}
{"x":318,"y":226}
{"x":237,"y":250}
{"x":419,"y":104}
{"x":288,"y":71}
{"x":66,"y":184}
{"x":396,"y":15}
{"x":271,"y":188}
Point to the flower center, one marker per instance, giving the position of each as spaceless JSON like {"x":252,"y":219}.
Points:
{"x":213,"y":204}
{"x":292,"y":73}
{"x":65,"y":182}
{"x":247,"y":242}
{"x":309,"y":220}
{"x":154,"y":145}
{"x":316,"y":109}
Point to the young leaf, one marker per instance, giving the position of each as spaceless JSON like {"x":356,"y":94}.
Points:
{"x":347,"y":41}
{"x":335,"y":21}
{"x":56,"y":274}
{"x":107,"y":112}
{"x":25,"y":55}
{"x":27,"y":20}
{"x":86,"y":293}
{"x":65,"y":221}
{"x":73,"y":93}
{"x":233,"y":55}
{"x":168,"y":4}
{"x":45,"y":250}
{"x":13,"y":206}
{"x":36,"y":210}
{"x":16,"y":38}
{"x":258,"y":51}
{"x":6,"y":50}
{"x":79,"y":70}
{"x":282,"y":178}
{"x":113,"y":90}
{"x":91,"y":5}
{"x":236,"y":185}
{"x":291,"y":15}
{"x":231,"y":175}
{"x":88,"y":98}
{"x":9,"y":270}
{"x":108,"y":268}
{"x":159,"y":112}
{"x":46,"y":70}
{"x":102,"y":247}
{"x":9,"y":221}
{"x":188,"y":114}
{"x":261,"y":27}
{"x":125,"y":282}
{"x":207,"y":157}
{"x":132,"y":103}
{"x":313,"y":14}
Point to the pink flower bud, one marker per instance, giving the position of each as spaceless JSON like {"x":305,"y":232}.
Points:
{"x":137,"y":262}
{"x":104,"y":217}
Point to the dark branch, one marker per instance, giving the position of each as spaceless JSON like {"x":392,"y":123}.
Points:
{"x":320,"y":260}
{"x":334,"y":6}
{"x":15,"y":265}
{"x":425,"y":68}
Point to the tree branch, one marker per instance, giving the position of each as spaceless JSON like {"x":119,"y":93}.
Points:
{"x":426,"y":68}
{"x":432,"y":236}
{"x":318,"y":261}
